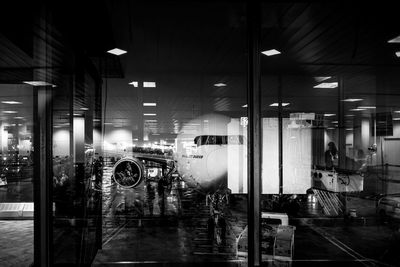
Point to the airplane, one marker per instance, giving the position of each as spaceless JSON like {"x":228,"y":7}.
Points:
{"x":200,"y":158}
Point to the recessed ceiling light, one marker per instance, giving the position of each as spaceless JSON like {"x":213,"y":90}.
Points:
{"x":271,"y":52}
{"x":244,"y":106}
{"x":357,"y":109}
{"x":327,"y":85}
{"x":11,"y":102}
{"x":397,"y":54}
{"x":149,"y":114}
{"x":134,"y":83}
{"x":321,"y":78}
{"x":352,"y":99}
{"x":149,"y":104}
{"x":366,"y":107}
{"x":329,"y":114}
{"x":10,"y":111}
{"x":149,"y":84}
{"x":395,"y":40}
{"x":116,"y":51}
{"x":277,"y":104}
{"x":220,"y":84}
{"x":38,"y":83}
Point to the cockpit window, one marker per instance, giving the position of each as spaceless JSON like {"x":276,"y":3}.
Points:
{"x":218,"y":140}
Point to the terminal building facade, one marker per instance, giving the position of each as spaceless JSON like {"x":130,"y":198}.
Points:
{"x":191,"y":133}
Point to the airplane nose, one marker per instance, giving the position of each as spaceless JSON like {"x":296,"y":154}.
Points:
{"x":217,"y":164}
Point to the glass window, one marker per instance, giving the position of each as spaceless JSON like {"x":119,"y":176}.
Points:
{"x":329,"y":131}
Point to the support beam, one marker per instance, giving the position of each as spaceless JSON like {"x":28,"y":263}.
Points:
{"x":254,"y":134}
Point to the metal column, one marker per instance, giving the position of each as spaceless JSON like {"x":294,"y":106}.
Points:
{"x":42,"y":177}
{"x":254,"y":134}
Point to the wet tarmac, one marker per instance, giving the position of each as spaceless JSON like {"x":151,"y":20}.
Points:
{"x":179,"y":238}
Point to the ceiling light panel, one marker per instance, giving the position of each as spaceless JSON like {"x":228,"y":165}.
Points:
{"x":321,"y":78}
{"x":149,"y":104}
{"x":327,"y":85}
{"x":277,"y":104}
{"x":38,"y":83}
{"x":220,"y":84}
{"x":11,"y":102}
{"x":117,"y":51}
{"x":271,"y":52}
{"x":134,"y":83}
{"x":149,"y":84}
{"x":352,"y":99}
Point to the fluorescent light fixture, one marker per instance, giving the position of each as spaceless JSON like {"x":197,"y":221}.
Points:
{"x":366,"y":107}
{"x":149,"y":104}
{"x":108,"y":123}
{"x":149,"y":114}
{"x":38,"y":83}
{"x":327,"y":85}
{"x":396,"y":119}
{"x":150,"y":121}
{"x":10,"y":111}
{"x":18,"y":118}
{"x":352,"y":99}
{"x":134,"y":83}
{"x":244,"y":106}
{"x":335,"y":122}
{"x":271,"y":52}
{"x":395,"y":40}
{"x":397,"y":111}
{"x":321,"y":79}
{"x":397,"y":54}
{"x":149,"y":84}
{"x":220,"y":84}
{"x":84,"y":108}
{"x":96,"y":120}
{"x":357,"y":109}
{"x":329,"y":115}
{"x":330,"y":128}
{"x":116,"y":51}
{"x":349,"y":129}
{"x":277,"y":104}
{"x":11,"y":102}
{"x":135,"y":139}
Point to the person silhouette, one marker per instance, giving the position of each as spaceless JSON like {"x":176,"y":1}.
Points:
{"x":331,"y":156}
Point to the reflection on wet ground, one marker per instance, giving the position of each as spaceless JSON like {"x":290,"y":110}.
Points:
{"x":132,"y":236}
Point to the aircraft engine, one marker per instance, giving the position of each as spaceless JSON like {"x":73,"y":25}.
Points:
{"x":128,"y":172}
